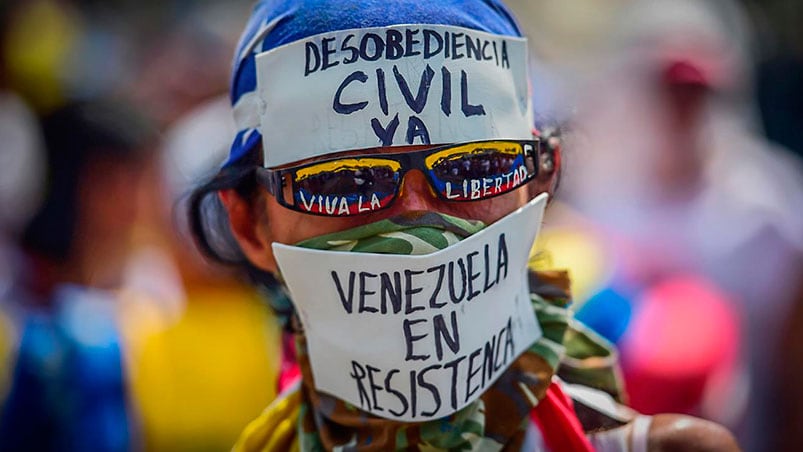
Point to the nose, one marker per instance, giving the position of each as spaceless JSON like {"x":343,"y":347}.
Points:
{"x":416,"y":194}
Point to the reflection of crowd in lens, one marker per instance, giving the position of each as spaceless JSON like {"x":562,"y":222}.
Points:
{"x":351,"y":181}
{"x":475,"y":166}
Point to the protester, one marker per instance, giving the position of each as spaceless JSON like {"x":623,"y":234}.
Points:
{"x":403,"y":132}
{"x":68,"y":389}
{"x":199,"y":339}
{"x":675,"y":173}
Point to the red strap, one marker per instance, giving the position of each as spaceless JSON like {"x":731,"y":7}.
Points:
{"x":290,"y":371}
{"x":555,"y":417}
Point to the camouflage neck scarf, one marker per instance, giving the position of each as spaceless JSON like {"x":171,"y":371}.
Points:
{"x":496,"y":421}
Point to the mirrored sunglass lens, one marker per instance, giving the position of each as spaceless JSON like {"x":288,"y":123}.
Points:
{"x":346,"y":187}
{"x":479,"y":172}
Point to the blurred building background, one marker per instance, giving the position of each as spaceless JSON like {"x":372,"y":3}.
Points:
{"x":680,"y":215}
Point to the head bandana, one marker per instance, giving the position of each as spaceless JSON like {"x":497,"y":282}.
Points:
{"x":277,"y":23}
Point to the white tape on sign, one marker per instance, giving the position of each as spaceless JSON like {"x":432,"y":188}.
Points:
{"x":414,"y":338}
{"x":391,"y":86}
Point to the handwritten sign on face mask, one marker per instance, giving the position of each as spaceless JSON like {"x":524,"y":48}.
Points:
{"x":414,"y":338}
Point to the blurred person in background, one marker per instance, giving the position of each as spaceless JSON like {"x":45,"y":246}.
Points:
{"x":21,"y":178}
{"x":676,"y":180}
{"x":194,"y":341}
{"x":200,"y":341}
{"x":21,"y":181}
{"x":68,"y":390}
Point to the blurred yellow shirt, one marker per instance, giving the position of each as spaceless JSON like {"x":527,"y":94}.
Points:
{"x":197,"y":381}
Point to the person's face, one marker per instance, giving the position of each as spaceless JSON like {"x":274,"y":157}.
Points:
{"x":267,"y":221}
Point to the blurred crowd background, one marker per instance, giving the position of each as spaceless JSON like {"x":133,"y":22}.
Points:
{"x":679,"y":214}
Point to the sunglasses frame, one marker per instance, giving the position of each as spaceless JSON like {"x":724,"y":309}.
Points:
{"x":273,"y":180}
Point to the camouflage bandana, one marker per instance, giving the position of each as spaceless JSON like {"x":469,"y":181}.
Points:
{"x":496,"y":421}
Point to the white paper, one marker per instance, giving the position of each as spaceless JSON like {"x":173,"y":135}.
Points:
{"x":478,"y":92}
{"x":368,"y":358}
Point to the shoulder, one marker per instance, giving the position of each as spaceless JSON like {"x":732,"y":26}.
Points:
{"x":275,"y":428}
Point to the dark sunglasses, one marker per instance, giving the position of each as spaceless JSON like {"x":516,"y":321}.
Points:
{"x":354,"y":185}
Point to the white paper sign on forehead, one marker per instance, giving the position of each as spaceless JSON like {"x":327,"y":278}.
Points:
{"x":391,"y":86}
{"x":414,"y":338}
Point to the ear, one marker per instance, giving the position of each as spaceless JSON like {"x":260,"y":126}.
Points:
{"x":249,"y":226}
{"x":555,"y":145}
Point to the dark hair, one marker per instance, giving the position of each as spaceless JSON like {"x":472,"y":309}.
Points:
{"x":208,"y":218}
{"x":77,"y":135}
{"x":209,"y":225}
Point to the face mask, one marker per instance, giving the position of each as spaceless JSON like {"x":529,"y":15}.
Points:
{"x":422,"y":316}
